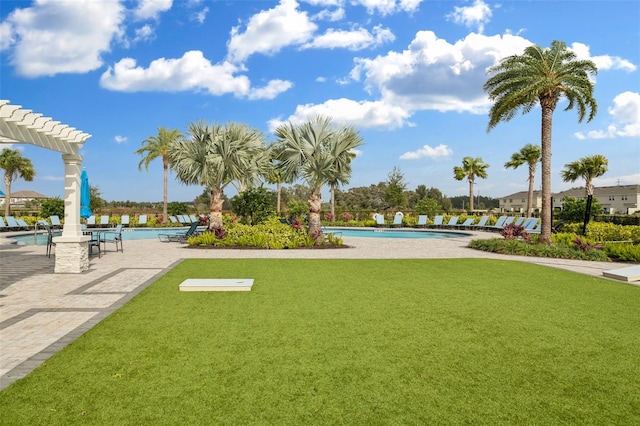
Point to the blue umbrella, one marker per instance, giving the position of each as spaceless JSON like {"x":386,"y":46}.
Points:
{"x":85,"y":195}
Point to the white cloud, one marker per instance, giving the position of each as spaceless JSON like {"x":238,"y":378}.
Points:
{"x":427,"y":152}
{"x":603,"y":62}
{"x":144,"y":33}
{"x":63,"y":36}
{"x":151,"y":9}
{"x":363,"y":114}
{"x":321,"y":79}
{"x":625,"y":113}
{"x":120,"y":139}
{"x":433,"y":74}
{"x":474,"y":16}
{"x":618,"y":180}
{"x":52,"y":178}
{"x":201,"y":16}
{"x":190,"y":72}
{"x":355,"y":39}
{"x":271,"y":90}
{"x":269,"y":31}
{"x":357,"y":152}
{"x":330,"y":15}
{"x":388,"y":7}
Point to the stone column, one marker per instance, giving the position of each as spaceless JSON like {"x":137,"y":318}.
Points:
{"x":72,"y":251}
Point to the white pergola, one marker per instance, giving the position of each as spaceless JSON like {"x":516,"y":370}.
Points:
{"x":20,"y":126}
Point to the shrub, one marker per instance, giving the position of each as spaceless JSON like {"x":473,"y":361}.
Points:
{"x":623,"y":251}
{"x":515,"y":247}
{"x":329,"y":217}
{"x":52,"y":207}
{"x":347,"y":217}
{"x":253,"y":205}
{"x":297,"y":209}
{"x":512,"y":232}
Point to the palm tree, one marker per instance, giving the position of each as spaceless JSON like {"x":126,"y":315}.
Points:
{"x":158,"y":147}
{"x":216,"y":156}
{"x":320,"y":155}
{"x":587,"y":168}
{"x":529,"y":154}
{"x":471,"y":168}
{"x":544,"y":76}
{"x":14,"y":166}
{"x":276,"y":175}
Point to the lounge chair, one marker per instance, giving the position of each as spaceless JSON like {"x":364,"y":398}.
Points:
{"x":180,"y":236}
{"x":114,"y":237}
{"x":529,"y":223}
{"x":466,"y":224}
{"x":453,"y":221}
{"x":142,"y":220}
{"x":397,"y":219}
{"x":104,"y":220}
{"x":91,"y":221}
{"x":23,"y":224}
{"x":437,"y":221}
{"x":173,"y":219}
{"x":379,"y":219}
{"x":481,"y":224}
{"x":193,"y":218}
{"x":12,"y":223}
{"x":124,"y":220}
{"x":3,"y":226}
{"x":422,"y":221}
{"x":55,"y":222}
{"x":519,"y":221}
{"x":498,"y":225}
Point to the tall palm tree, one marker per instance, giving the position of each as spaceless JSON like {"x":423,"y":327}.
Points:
{"x":587,"y":168}
{"x":158,"y":147}
{"x":542,"y":76}
{"x":319,"y":154}
{"x":531,"y":155}
{"x":276,"y":175}
{"x":471,"y":169}
{"x":216,"y":156}
{"x":14,"y":166}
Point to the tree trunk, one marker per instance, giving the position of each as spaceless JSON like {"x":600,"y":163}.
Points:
{"x":471,"y":194}
{"x":587,"y":214}
{"x":333,"y":203}
{"x":7,"y":196}
{"x":315,"y":227}
{"x":165,"y":166}
{"x":547,"y":214}
{"x":215,"y":215}
{"x":278,"y":192}
{"x":532,"y":175}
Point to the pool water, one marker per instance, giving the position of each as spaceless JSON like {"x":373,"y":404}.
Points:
{"x":144,"y":234}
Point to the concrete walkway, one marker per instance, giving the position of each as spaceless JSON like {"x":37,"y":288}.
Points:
{"x":42,"y":312}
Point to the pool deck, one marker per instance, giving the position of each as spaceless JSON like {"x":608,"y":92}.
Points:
{"x":42,"y":312}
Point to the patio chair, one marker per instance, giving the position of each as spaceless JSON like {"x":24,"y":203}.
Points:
{"x":397,"y":219}
{"x":142,"y":220}
{"x":379,"y":218}
{"x":481,"y":224}
{"x":12,"y":223}
{"x":55,"y":222}
{"x":124,"y":220}
{"x":498,"y":225}
{"x":422,"y":221}
{"x":466,"y":224}
{"x":91,"y":221}
{"x":94,"y":242}
{"x":453,"y":221}
{"x":437,"y":221}
{"x":114,"y":237}
{"x":181,"y":236}
{"x":104,"y":220}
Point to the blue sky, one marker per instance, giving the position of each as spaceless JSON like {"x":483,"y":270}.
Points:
{"x":408,"y":74}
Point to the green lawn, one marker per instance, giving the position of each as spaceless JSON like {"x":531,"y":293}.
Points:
{"x":333,"y":342}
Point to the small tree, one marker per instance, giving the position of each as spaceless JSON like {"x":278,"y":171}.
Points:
{"x":428,"y":206}
{"x":396,"y":186}
{"x":52,"y":207}
{"x":471,"y":169}
{"x":573,"y":209}
{"x":253,"y":205}
{"x":176,"y":207}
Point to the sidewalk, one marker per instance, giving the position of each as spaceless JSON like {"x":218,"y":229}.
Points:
{"x":42,"y":312}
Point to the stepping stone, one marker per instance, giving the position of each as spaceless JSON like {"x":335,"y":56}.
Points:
{"x":227,"y":284}
{"x":629,"y":274}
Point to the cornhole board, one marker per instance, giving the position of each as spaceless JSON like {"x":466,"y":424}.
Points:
{"x":629,"y":274}
{"x":225,"y":284}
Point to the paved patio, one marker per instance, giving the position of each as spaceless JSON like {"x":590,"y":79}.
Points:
{"x":41,"y":312}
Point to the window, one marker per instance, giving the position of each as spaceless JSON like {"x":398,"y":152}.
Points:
{"x":511,"y":200}
{"x":623,"y":198}
{"x":612,"y":198}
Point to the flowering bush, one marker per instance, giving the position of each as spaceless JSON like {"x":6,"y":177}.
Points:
{"x":346,"y":216}
{"x":512,"y":232}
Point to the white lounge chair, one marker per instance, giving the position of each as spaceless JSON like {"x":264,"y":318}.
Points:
{"x":397,"y":219}
{"x":422,"y":221}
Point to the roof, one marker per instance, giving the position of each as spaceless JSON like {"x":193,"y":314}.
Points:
{"x":600,"y":190}
{"x":31,"y":195}
{"x":523,"y":194}
{"x":18,"y":125}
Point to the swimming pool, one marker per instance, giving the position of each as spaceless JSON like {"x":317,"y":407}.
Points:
{"x":144,"y":234}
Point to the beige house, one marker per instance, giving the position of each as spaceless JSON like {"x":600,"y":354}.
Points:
{"x":19,"y":198}
{"x":620,"y":199}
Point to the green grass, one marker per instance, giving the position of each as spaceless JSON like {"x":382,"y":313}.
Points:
{"x":333,"y":342}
